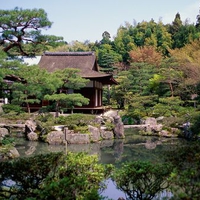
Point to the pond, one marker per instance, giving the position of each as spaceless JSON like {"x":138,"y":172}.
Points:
{"x":133,"y":147}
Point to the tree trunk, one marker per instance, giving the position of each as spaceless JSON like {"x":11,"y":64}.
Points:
{"x":28,"y":108}
{"x":57,"y":108}
{"x":171,"y":89}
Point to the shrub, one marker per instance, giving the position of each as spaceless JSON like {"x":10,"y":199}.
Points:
{"x":185,"y":178}
{"x":142,"y":180}
{"x":79,"y":119}
{"x":53,"y":176}
{"x":7,"y":108}
{"x":7,"y":140}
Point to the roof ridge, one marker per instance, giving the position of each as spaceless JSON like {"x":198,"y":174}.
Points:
{"x":79,"y":53}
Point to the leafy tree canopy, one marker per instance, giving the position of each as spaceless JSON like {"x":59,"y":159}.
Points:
{"x":20,"y":31}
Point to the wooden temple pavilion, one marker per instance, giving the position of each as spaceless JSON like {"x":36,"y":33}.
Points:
{"x":86,"y":62}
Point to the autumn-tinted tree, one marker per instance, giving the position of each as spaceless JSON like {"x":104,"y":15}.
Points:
{"x":20,"y":31}
{"x":146,"y":54}
{"x":187,"y":59}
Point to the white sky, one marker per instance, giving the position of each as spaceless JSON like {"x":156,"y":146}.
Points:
{"x":87,"y":19}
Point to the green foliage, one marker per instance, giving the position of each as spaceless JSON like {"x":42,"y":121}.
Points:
{"x":77,"y":119}
{"x":142,"y":180}
{"x":45,"y":122}
{"x":108,"y":58}
{"x":7,"y":140}
{"x":53,"y":176}
{"x":7,"y":108}
{"x":109,"y":125}
{"x":196,"y":125}
{"x":140,"y":106}
{"x":169,"y":106}
{"x":80,"y":129}
{"x":62,"y":81}
{"x":32,"y":87}
{"x":185,"y":177}
{"x":22,"y":26}
{"x":76,"y":122}
{"x":175,"y":122}
{"x":127,"y":120}
{"x":27,"y":173}
{"x":119,"y":91}
{"x":78,"y":178}
{"x":12,"y":117}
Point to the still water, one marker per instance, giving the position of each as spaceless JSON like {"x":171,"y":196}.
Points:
{"x":133,"y":147}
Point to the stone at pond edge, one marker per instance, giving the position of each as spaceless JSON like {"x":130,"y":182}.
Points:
{"x":94,"y":133}
{"x":105,"y":134}
{"x":32,"y":136}
{"x":77,"y":138}
{"x":30,"y":126}
{"x":118,"y":127}
{"x":3,"y":132}
{"x":55,"y":138}
{"x":13,"y":153}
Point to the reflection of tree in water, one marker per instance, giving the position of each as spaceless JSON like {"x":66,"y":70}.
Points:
{"x":147,"y":149}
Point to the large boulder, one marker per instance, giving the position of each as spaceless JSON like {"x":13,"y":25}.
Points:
{"x":76,"y":138}
{"x":150,"y":121}
{"x":105,"y":134}
{"x":55,"y":138}
{"x":118,"y":127}
{"x":32,"y":136}
{"x":3,"y":132}
{"x":99,"y":120}
{"x":30,"y":126}
{"x":152,"y":126}
{"x":94,"y":133}
{"x":13,"y":153}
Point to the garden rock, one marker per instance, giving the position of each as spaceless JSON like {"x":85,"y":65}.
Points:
{"x":3,"y":132}
{"x":118,"y":127}
{"x":94,"y":133}
{"x":150,"y":121}
{"x":165,"y":133}
{"x":105,"y":134}
{"x":30,"y":126}
{"x":55,"y":138}
{"x":77,"y":138}
{"x":13,"y":153}
{"x":32,"y":136}
{"x":99,"y":120}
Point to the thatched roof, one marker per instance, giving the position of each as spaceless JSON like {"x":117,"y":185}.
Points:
{"x":84,"y":61}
